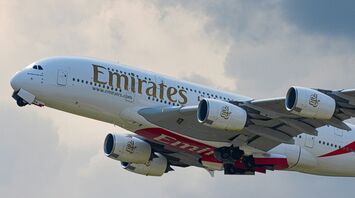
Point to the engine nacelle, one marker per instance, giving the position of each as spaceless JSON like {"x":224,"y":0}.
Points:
{"x":127,"y":148}
{"x":155,"y":167}
{"x":309,"y":103}
{"x":221,"y":115}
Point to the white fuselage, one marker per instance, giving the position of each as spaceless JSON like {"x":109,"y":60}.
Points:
{"x":114,"y":93}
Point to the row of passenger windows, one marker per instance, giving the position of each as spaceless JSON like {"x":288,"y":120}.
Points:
{"x":329,"y":144}
{"x":125,"y":73}
{"x":209,"y":95}
{"x":326,"y":143}
{"x":116,"y":89}
{"x":163,"y":101}
{"x":129,"y":73}
{"x":334,"y":145}
{"x":96,"y":84}
{"x":182,"y":87}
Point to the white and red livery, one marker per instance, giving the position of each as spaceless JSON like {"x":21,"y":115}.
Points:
{"x":178,"y":123}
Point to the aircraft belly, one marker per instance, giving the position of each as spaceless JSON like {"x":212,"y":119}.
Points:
{"x":331,"y":166}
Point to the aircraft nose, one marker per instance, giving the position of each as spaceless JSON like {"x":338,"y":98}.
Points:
{"x":15,"y":81}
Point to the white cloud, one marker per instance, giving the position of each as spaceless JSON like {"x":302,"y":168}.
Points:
{"x":30,"y":159}
{"x":49,"y":153}
{"x":171,"y":40}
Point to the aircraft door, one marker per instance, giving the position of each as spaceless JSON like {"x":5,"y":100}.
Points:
{"x":309,"y":141}
{"x":338,"y":132}
{"x":62,"y":77}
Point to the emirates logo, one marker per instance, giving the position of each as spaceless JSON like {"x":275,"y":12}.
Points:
{"x":225,"y":113}
{"x":313,"y":100}
{"x":130,"y":147}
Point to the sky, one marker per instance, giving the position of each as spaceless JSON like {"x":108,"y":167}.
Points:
{"x":253,"y":48}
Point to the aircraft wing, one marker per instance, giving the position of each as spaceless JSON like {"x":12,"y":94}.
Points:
{"x":269,"y":122}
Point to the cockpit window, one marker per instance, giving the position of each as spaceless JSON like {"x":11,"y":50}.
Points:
{"x":37,"y":67}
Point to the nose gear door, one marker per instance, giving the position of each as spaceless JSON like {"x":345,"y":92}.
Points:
{"x":62,"y":77}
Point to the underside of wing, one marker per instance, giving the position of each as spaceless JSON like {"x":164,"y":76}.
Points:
{"x":233,"y":136}
{"x":268,"y":122}
{"x":183,"y":121}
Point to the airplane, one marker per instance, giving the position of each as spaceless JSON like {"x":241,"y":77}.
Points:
{"x":180,"y":124}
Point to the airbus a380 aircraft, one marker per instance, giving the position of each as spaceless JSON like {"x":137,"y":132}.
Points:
{"x":177,"y":123}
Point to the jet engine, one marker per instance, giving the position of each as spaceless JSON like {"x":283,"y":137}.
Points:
{"x":155,"y":167}
{"x":221,"y":115}
{"x":309,"y":103}
{"x":127,"y":148}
